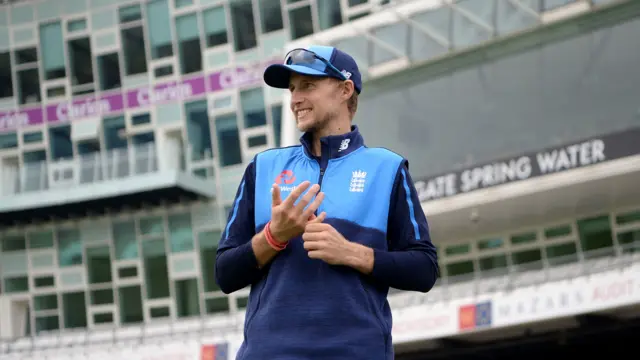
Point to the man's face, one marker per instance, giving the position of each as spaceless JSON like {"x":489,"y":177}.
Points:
{"x":314,"y":101}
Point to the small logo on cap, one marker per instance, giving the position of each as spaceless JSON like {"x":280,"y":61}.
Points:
{"x":346,"y":74}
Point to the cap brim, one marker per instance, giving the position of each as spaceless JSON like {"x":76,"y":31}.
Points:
{"x":278,"y":75}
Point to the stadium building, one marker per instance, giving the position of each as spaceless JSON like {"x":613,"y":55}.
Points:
{"x":125,"y":126}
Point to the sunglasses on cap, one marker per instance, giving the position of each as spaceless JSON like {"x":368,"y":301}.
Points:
{"x":307,"y":58}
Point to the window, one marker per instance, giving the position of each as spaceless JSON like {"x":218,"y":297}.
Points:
{"x":60,"y":142}
{"x":270,"y":15}
{"x":300,"y":22}
{"x":28,"y":78}
{"x":160,"y":39}
{"x":244,"y":30}
{"x":52,"y":50}
{"x":156,"y":269}
{"x":252,"y":102}
{"x":189,"y":43}
{"x":6,"y":81}
{"x":215,"y":26}
{"x":329,"y":14}
{"x":109,"y":71}
{"x":80,"y":61}
{"x":135,"y":56}
{"x":198,"y":131}
{"x":111,"y":128}
{"x":228,"y":140}
{"x":276,"y":118}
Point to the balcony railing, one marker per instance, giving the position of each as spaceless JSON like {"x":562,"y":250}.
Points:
{"x":81,"y":170}
{"x":509,"y":279}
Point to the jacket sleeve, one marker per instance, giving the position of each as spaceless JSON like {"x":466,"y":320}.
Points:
{"x":236,"y":264}
{"x":411,"y":263}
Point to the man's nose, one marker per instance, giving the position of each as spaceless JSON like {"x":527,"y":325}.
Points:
{"x":296,"y":99}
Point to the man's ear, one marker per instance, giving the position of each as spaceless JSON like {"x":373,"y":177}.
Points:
{"x":348,"y":89}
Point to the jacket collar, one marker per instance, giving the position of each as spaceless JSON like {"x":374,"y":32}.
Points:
{"x":334,"y":146}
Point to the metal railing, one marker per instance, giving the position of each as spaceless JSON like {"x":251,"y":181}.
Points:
{"x":81,"y":170}
{"x":447,"y":289}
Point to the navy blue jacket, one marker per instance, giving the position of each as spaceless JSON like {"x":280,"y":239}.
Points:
{"x":302,"y":308}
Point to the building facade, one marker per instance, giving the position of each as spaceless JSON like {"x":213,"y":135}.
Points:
{"x":126,"y":126}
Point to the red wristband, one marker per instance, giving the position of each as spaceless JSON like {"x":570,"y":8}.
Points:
{"x":271,"y":240}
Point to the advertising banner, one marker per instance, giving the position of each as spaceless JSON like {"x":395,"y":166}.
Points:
{"x":567,"y":298}
{"x":114,"y":102}
{"x":526,"y":166}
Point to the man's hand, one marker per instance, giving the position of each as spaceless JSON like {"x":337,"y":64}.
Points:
{"x":324,"y":242}
{"x":289,"y":219}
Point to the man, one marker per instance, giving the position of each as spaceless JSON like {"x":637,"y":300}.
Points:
{"x":322,"y":230}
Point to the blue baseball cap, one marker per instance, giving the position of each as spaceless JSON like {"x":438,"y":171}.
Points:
{"x":315,"y":60}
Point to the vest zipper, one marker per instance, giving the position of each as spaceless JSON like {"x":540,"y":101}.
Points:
{"x":320,"y":184}
{"x":320,"y":178}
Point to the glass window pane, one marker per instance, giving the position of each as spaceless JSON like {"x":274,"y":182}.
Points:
{"x":41,"y":239}
{"x":629,"y":241}
{"x":180,"y":233}
{"x":271,"y":15}
{"x":159,"y":33}
{"x":13,"y":242}
{"x":103,"y":318}
{"x":252,"y":102}
{"x":329,"y":14}
{"x":276,"y":118}
{"x":52,"y":49}
{"x":109,"y":71}
{"x":557,"y":231}
{"x":16,"y":284}
{"x":130,"y":13}
{"x":124,"y":237}
{"x":490,"y":244}
{"x":69,"y":247}
{"x":244,"y":29}
{"x":459,"y":249}
{"x":130,"y":305}
{"x":525,"y":238}
{"x":228,"y":140}
{"x":102,"y":297}
{"x":152,"y":225}
{"x":493,"y":264}
{"x":6,"y":76}
{"x":198,"y":131}
{"x":99,"y":265}
{"x":77,"y":25}
{"x":155,"y":269}
{"x":217,"y":305}
{"x":527,"y":259}
{"x":215,"y":26}
{"x":460,"y":268}
{"x":111,"y":128}
{"x":208,"y":242}
{"x":596,"y":237}
{"x":135,"y":57}
{"x":8,"y":141}
{"x":45,"y":302}
{"x":187,"y":297}
{"x":300,"y":22}
{"x":189,"y":43}
{"x":259,"y":140}
{"x":562,"y":253}
{"x":60,"y":143}
{"x":44,"y":281}
{"x":29,"y":86}
{"x":26,"y":56}
{"x":628,"y":218}
{"x":80,"y":61}
{"x":47,"y":323}
{"x":75,"y":310}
